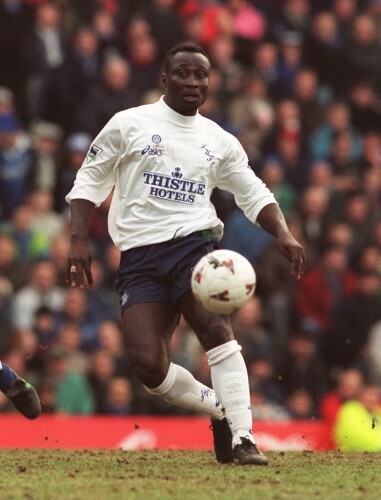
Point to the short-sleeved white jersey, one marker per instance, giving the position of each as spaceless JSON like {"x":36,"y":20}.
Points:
{"x":163,"y":167}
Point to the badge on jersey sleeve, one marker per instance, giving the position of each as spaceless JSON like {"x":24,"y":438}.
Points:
{"x":93,"y":152}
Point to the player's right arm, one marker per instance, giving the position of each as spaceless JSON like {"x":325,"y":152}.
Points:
{"x":79,"y":258}
{"x":94,"y":182}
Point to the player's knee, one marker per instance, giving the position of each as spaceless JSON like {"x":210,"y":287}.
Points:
{"x":149,"y":369}
{"x":215,"y":333}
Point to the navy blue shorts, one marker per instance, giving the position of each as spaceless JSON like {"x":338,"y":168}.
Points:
{"x":161,"y":272}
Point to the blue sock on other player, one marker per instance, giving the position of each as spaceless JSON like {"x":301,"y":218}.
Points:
{"x":7,"y":377}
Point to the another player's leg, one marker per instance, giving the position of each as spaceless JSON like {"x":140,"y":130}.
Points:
{"x":229,"y":377}
{"x":23,"y":396}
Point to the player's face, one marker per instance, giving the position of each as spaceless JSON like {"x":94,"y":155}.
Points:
{"x":186,"y":82}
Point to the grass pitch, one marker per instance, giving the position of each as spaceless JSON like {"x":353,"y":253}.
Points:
{"x":116,"y":474}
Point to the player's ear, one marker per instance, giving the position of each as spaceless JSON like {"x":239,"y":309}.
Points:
{"x":163,"y":80}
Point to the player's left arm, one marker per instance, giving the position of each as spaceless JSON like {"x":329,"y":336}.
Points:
{"x":272,"y":220}
{"x":259,"y":204}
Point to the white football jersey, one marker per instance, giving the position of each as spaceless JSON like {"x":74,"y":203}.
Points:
{"x":163,"y":167}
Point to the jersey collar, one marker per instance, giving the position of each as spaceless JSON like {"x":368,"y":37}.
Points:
{"x":177,"y":118}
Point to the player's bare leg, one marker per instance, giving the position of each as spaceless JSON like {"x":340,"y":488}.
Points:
{"x":229,"y":376}
{"x":148,"y":328}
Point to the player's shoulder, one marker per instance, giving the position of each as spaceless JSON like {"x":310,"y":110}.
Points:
{"x":142,"y":110}
{"x":215,"y":128}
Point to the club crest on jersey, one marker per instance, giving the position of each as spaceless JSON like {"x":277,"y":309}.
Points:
{"x":156,"y":139}
{"x":93,"y":152}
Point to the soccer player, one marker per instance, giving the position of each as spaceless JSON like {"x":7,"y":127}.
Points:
{"x":23,"y":396}
{"x":162,"y":162}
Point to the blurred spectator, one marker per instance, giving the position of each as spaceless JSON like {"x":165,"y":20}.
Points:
{"x":357,"y":212}
{"x":111,"y":263}
{"x":287,"y":142}
{"x":98,"y":228}
{"x":105,"y":28}
{"x":110,"y":96}
{"x":263,"y":408}
{"x":76,"y":147}
{"x":58,"y":255}
{"x":323,"y":51}
{"x":102,"y":303}
{"x":301,"y":368}
{"x":358,"y":423}
{"x":243,"y":237}
{"x":222,"y":55}
{"x":373,"y":349}
{"x":265,"y":60}
{"x":46,"y":144}
{"x":110,"y":339}
{"x":300,"y":405}
{"x":253,"y":113}
{"x":290,"y":60}
{"x":362,"y":51}
{"x":348,"y":385}
{"x":145,"y":67}
{"x":353,"y":321}
{"x":45,"y":331}
{"x":345,"y":11}
{"x":16,"y":165}
{"x":186,"y":349}
{"x":337,"y":119}
{"x":306,"y":91}
{"x":42,"y":290}
{"x":73,"y":395}
{"x":160,"y":15}
{"x":250,"y":331}
{"x":11,"y":267}
{"x":72,"y":81}
{"x":118,"y":398}
{"x":101,"y":371}
{"x":322,"y":288}
{"x":5,"y":311}
{"x":31,"y":243}
{"x":42,"y":52}
{"x":14,"y":20}
{"x":263,"y":377}
{"x":47,"y":395}
{"x":48,"y":223}
{"x":294,"y":15}
{"x":74,"y":309}
{"x":69,"y":339}
{"x":365,"y":109}
{"x":277,"y":289}
{"x":273,"y":176}
{"x":314,"y":215}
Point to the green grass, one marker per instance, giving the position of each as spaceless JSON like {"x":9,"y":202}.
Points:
{"x":115,"y":474}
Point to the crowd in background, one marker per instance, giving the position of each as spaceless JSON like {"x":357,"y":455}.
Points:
{"x":299,"y":83}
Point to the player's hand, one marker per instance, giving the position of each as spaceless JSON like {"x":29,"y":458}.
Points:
{"x":79,"y":264}
{"x":294,"y":252}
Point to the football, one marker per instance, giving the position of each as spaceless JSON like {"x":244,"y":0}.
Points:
{"x":223,"y":281}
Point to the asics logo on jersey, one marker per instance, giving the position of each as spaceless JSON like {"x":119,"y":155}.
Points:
{"x":152,"y":151}
{"x":173,"y":187}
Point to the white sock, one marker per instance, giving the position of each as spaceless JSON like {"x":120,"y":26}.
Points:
{"x":231,"y":383}
{"x":180,"y":388}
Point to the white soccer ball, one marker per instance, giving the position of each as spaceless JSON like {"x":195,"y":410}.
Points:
{"x":223,"y":281}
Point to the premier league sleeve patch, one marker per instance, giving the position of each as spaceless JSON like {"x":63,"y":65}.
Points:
{"x":93,"y":152}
